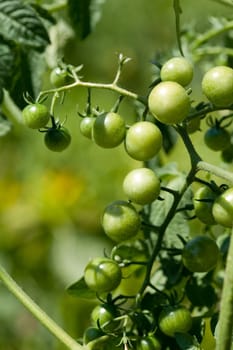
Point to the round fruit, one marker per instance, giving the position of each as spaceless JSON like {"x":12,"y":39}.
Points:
{"x":142,"y":186}
{"x":177,"y":69}
{"x":120,"y":221}
{"x":108,"y":130}
{"x":223,"y":208}
{"x":203,"y":201}
{"x":143,"y":140}
{"x":59,"y":77}
{"x":149,"y":342}
{"x":217,"y":138}
{"x":193,"y":125}
{"x":200,"y":254}
{"x":102,"y":275}
{"x":86,"y":126}
{"x":90,"y":334}
{"x":227,"y":154}
{"x":104,"y":316}
{"x":174,"y":319}
{"x":217,"y":86}
{"x":57,"y":139}
{"x":169,"y":102}
{"x":35,"y":115}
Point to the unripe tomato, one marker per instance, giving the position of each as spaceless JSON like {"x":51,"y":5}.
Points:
{"x":173,"y":319}
{"x":200,"y":254}
{"x":169,"y":102}
{"x":217,"y":86}
{"x":177,"y":69}
{"x":59,"y":77}
{"x":86,"y":126}
{"x":105,"y":317}
{"x":203,"y":201}
{"x":149,"y":342}
{"x":108,"y":130}
{"x":35,"y":115}
{"x":223,"y":208}
{"x":142,"y":186}
{"x":143,"y":140}
{"x":120,"y":221}
{"x":57,"y":139}
{"x":102,"y":274}
{"x":217,"y":138}
{"x":91,"y":333}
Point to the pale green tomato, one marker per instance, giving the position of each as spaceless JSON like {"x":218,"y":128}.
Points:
{"x":86,"y":126}
{"x":217,"y":86}
{"x":120,"y":221}
{"x":142,"y":186}
{"x":177,"y":69}
{"x":223,"y":208}
{"x":143,"y":140}
{"x":169,"y":102}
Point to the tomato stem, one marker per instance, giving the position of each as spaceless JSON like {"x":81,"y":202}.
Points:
{"x":37,"y":312}
{"x":224,"y":338}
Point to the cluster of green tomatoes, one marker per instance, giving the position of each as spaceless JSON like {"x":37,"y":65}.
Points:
{"x":128,"y":314}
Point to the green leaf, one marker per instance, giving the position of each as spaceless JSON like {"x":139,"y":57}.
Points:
{"x":81,"y":290}
{"x":186,"y":342}
{"x":5,"y":125}
{"x":21,"y":23}
{"x":84,"y":14}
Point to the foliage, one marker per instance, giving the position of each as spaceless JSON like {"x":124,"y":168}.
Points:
{"x":164,"y":291}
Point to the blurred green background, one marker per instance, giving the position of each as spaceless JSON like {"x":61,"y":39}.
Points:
{"x":50,"y":204}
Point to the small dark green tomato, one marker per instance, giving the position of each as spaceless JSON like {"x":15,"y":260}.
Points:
{"x":217,"y":138}
{"x":108,"y":130}
{"x":57,"y":139}
{"x":104,"y":316}
{"x":35,"y":115}
{"x":59,"y":77}
{"x":120,"y":221}
{"x":200,"y":254}
{"x":102,"y":274}
{"x":173,"y":319}
{"x":203,"y":201}
{"x":91,"y":333}
{"x":149,"y":342}
{"x":227,"y":154}
{"x":86,"y":126}
{"x":223,"y":208}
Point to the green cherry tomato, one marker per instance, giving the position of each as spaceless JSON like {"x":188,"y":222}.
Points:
{"x":57,"y":139}
{"x":142,"y":186}
{"x":91,"y":333}
{"x":193,"y":125}
{"x":108,"y":130}
{"x":200,"y":254}
{"x":227,"y":154}
{"x":217,"y":86}
{"x":169,"y":103}
{"x":59,"y":77}
{"x":143,"y":140}
{"x":102,"y":274}
{"x":177,"y":69}
{"x":217,"y":138}
{"x":203,"y":201}
{"x":86,"y":126}
{"x":149,"y":342}
{"x":223,"y":208}
{"x":35,"y":115}
{"x":174,"y":319}
{"x":120,"y":221}
{"x":104,"y":316}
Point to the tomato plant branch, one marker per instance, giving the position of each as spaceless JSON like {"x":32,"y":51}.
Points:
{"x":107,"y":86}
{"x":210,"y":34}
{"x":215,"y":170}
{"x":37,"y":312}
{"x":224,"y":337}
